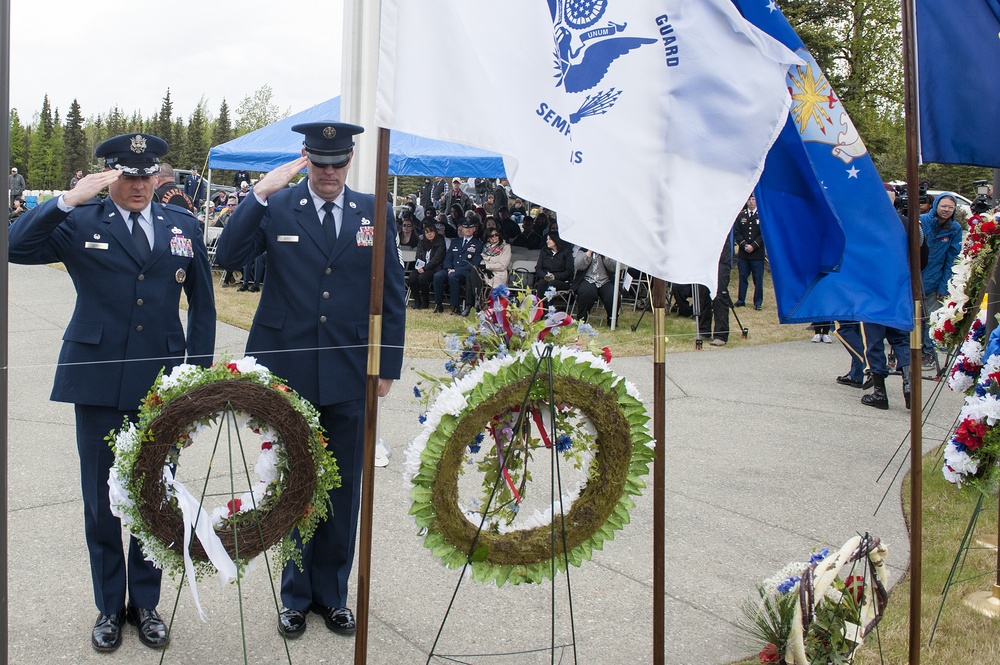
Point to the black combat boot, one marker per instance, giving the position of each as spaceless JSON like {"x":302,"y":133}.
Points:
{"x":906,"y":384}
{"x":877,"y":398}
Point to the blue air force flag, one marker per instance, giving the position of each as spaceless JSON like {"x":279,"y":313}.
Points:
{"x":958,"y":62}
{"x":643,"y":124}
{"x":836,"y":246}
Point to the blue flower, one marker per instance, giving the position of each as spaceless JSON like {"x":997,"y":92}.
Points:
{"x":587,"y":329}
{"x":550,"y":293}
{"x":788,"y":584}
{"x":500,"y":291}
{"x":450,"y":367}
{"x":819,"y":556}
{"x":502,"y":351}
{"x":563,"y":443}
{"x":467,"y":356}
{"x":416,"y":392}
{"x":422,"y":418}
{"x":477,"y":444}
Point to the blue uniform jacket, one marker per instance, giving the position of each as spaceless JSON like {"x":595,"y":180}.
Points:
{"x":462,"y":261}
{"x":125,"y":311}
{"x":311,"y":326}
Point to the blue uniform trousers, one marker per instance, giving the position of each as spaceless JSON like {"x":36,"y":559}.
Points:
{"x":747,"y":269}
{"x":108,"y":566}
{"x":874,"y":336}
{"x":328,"y":556}
{"x":849,"y":335}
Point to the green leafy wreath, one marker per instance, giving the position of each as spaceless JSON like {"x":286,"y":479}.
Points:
{"x":622,"y":451}
{"x":296,"y":471}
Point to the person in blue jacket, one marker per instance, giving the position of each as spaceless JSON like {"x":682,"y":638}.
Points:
{"x":129,"y":258}
{"x":944,"y":241}
{"x":311,"y":329}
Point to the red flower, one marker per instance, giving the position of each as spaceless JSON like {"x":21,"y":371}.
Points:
{"x":938,"y":335}
{"x":153,"y":399}
{"x":281,"y":386}
{"x":232,"y":368}
{"x":855,"y":586}
{"x":606,"y":354}
{"x":309,"y":510}
{"x":266,"y":445}
{"x":948,"y":326}
{"x":989,"y":226}
{"x":970,"y":433}
{"x":769,"y":654}
{"x":234,"y":506}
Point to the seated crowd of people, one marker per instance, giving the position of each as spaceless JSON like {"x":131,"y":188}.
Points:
{"x":465,"y":240}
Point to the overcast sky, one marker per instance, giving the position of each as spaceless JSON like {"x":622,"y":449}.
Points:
{"x":108,"y":52}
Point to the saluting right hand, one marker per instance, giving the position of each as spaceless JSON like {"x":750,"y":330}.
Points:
{"x":89,"y":187}
{"x":279,"y":178}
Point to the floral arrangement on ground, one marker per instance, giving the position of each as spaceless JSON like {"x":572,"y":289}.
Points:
{"x":497,"y":415}
{"x":805,"y":613}
{"x":972,"y":454}
{"x":294,"y":470}
{"x":950,"y":323}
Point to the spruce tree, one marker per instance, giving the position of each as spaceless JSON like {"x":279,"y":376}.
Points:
{"x":75,"y":152}
{"x":196,"y":144}
{"x":18,"y":142}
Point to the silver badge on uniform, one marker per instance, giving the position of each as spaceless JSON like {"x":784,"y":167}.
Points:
{"x":365,"y":220}
{"x":303,"y":202}
{"x":138,"y":145}
{"x":180,"y":275}
{"x":97,"y":236}
{"x":176,"y":231}
{"x":353,"y":204}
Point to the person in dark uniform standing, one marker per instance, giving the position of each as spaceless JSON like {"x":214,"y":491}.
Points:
{"x":129,"y":258}
{"x":194,"y":187}
{"x":749,"y":243}
{"x":311,"y":328}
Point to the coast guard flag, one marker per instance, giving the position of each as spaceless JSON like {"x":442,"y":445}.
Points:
{"x":958,"y":81}
{"x":836,"y":247}
{"x":642,"y":123}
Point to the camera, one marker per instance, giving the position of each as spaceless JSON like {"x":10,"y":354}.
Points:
{"x":982,"y":202}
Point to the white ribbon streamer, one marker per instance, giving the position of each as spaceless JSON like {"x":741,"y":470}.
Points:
{"x":191,"y":510}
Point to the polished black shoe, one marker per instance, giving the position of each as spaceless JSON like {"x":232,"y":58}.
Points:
{"x":339,"y":619}
{"x":291,"y":623}
{"x":254,"y":289}
{"x":846,"y":380}
{"x":739,"y":304}
{"x":878,"y":397}
{"x":243,"y":287}
{"x":438,"y":309}
{"x":758,"y":307}
{"x":107,"y":633}
{"x":457,"y":311}
{"x":152,"y":631}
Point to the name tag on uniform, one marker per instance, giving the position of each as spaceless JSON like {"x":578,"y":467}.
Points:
{"x":288,"y":238}
{"x":366,"y":236}
{"x":95,"y":245}
{"x":181,"y":246}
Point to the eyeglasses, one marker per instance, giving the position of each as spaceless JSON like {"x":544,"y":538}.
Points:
{"x":493,"y":235}
{"x":407,"y":226}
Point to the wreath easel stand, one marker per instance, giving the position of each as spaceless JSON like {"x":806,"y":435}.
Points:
{"x":557,"y":533}
{"x":258,"y":544}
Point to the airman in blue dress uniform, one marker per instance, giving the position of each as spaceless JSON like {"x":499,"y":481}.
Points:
{"x":311,"y":329}
{"x":129,"y":259}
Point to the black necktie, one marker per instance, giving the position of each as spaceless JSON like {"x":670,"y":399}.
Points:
{"x":139,"y":236}
{"x":329,"y":225}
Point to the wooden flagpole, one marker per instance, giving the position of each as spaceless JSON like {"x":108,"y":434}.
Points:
{"x":371,"y":399}
{"x":659,"y":466}
{"x":916,"y":337}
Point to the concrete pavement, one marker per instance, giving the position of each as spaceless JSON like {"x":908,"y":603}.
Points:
{"x":766,"y":458}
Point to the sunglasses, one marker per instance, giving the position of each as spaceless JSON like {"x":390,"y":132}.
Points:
{"x":321,"y":167}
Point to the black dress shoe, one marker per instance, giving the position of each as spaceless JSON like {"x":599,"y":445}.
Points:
{"x":846,"y":380}
{"x":107,"y":633}
{"x":438,"y":309}
{"x":243,"y":287}
{"x":291,"y":623}
{"x":339,"y":619}
{"x":254,"y":288}
{"x":152,"y":631}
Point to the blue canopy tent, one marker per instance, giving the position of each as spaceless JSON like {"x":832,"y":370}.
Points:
{"x":277,"y":144}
